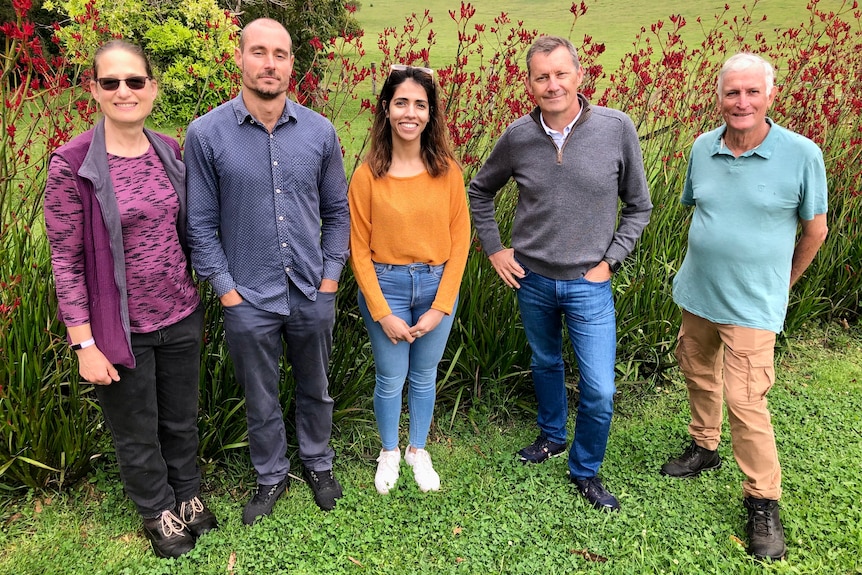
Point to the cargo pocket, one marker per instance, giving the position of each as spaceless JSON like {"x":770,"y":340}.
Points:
{"x":761,"y":374}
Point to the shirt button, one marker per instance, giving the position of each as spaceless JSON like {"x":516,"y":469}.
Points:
{"x":275,"y":163}
{"x":280,"y":218}
{"x":287,"y":270}
{"x":277,"y":191}
{"x":284,"y":244}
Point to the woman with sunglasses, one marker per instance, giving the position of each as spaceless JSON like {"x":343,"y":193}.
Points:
{"x":409,"y":240}
{"x":115,"y":217}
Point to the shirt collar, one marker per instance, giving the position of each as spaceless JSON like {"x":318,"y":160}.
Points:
{"x":764,"y":150}
{"x":242,"y":114}
{"x":568,"y":128}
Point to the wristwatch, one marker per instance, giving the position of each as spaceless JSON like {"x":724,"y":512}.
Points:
{"x":614,"y":264}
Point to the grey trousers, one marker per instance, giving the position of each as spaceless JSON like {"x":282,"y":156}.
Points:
{"x":254,"y":338}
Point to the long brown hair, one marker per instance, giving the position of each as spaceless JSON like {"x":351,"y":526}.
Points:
{"x":435,"y":148}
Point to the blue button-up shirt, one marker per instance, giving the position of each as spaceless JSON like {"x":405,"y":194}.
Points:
{"x":265,"y":208}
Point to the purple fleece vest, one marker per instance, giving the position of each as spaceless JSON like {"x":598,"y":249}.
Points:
{"x":109,"y":320}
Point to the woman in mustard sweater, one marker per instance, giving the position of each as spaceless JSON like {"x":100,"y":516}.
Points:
{"x":409,"y":240}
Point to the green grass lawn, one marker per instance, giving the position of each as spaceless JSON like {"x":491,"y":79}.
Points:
{"x":495,"y":515}
{"x":613,"y":22}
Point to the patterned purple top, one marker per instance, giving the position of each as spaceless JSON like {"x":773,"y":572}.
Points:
{"x":160,"y":288}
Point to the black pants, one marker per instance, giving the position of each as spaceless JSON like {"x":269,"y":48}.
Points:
{"x":152,"y":414}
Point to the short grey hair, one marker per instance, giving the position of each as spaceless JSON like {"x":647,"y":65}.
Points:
{"x":744,"y":61}
{"x":547,"y":44}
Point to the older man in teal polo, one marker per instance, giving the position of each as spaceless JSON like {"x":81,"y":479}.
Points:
{"x":752,"y":184}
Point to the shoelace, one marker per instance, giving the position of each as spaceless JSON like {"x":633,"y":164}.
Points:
{"x":761,"y":521}
{"x":324,"y":481}
{"x":542,"y":445}
{"x":690,"y":451}
{"x":263,"y":496}
{"x":195,"y":505}
{"x":422,"y":459}
{"x":171,"y":524}
{"x":390,"y":459}
{"x":594,"y":484}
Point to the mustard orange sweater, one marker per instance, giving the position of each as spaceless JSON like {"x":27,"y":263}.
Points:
{"x":417,"y":219}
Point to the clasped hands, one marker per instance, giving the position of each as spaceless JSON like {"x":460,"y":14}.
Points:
{"x":396,"y":329}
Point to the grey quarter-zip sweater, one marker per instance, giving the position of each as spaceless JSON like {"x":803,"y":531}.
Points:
{"x":568,"y":215}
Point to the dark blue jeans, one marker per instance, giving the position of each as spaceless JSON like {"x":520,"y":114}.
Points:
{"x":588,"y":309}
{"x":254,"y":337}
{"x":152,"y":414}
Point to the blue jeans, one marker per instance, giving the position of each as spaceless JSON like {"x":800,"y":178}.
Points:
{"x":409,"y":290}
{"x":588,"y":309}
{"x":254,"y":337}
{"x":152,"y":413}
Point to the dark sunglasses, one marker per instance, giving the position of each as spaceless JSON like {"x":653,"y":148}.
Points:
{"x":133,"y":83}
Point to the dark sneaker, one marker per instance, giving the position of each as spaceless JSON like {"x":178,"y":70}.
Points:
{"x":593,"y":491}
{"x":263,"y":501}
{"x":541,"y":450}
{"x":692,"y":461}
{"x":169,"y":536}
{"x":197,"y":516}
{"x":764,"y":529}
{"x":324,"y":486}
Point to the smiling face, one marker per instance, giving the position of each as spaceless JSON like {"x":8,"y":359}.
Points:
{"x":123,"y":106}
{"x":265,"y":59}
{"x":408,"y":111}
{"x":744,"y":99}
{"x":553,"y":82}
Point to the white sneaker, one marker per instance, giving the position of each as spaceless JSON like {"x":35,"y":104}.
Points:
{"x":387,"y":470}
{"x":423,"y":471}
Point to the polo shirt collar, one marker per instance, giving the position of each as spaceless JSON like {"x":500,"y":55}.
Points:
{"x":764,"y":150}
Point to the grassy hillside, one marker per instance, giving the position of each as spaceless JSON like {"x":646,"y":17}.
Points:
{"x":614,"y":22}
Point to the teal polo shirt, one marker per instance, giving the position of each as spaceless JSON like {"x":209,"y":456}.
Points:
{"x":743,"y":230}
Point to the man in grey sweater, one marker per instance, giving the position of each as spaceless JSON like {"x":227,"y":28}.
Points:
{"x":573,"y":164}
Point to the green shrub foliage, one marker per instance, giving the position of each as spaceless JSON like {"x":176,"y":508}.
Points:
{"x":190,"y":43}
